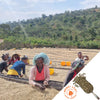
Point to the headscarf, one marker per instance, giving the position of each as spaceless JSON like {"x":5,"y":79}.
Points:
{"x":41,"y":55}
{"x":77,"y":64}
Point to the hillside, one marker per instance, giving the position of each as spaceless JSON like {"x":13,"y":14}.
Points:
{"x":79,"y":29}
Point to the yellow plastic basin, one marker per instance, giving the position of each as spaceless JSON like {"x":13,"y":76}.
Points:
{"x":51,"y":71}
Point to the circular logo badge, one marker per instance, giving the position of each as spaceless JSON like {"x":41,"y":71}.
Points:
{"x":70,"y":92}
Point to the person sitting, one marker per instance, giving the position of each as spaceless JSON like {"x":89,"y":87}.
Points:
{"x":39,"y":74}
{"x":15,"y":57}
{"x":15,"y":70}
{"x":3,"y":64}
{"x":81,"y":57}
{"x":77,"y":66}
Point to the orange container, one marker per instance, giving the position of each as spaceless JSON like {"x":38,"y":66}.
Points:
{"x":68,"y":63}
{"x":63,"y":63}
{"x":50,"y":62}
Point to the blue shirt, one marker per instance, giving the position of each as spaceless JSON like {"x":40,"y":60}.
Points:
{"x":18,"y":65}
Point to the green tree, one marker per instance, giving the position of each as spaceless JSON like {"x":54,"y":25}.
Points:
{"x":92,"y":33}
{"x":71,"y":38}
{"x":76,"y":38}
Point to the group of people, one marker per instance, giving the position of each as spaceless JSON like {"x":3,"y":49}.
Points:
{"x":16,"y":62}
{"x":7,"y":60}
{"x":39,"y":73}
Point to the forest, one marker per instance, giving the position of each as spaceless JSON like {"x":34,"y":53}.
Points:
{"x":71,"y":29}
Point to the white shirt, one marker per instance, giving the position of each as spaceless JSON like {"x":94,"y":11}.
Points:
{"x":79,"y":59}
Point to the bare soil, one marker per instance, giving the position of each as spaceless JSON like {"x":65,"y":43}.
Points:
{"x":17,"y":91}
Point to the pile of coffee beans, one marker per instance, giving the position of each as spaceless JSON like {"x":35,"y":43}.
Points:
{"x":83,"y":83}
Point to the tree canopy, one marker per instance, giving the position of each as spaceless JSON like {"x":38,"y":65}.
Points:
{"x":79,"y":29}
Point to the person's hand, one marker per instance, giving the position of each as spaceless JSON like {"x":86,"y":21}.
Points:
{"x":42,"y":87}
{"x":45,"y":83}
{"x":86,"y":58}
{"x":21,"y":75}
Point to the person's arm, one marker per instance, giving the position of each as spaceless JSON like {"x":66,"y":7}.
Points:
{"x":86,"y":58}
{"x":47,"y":77}
{"x":24,"y":69}
{"x":47,"y":74}
{"x":31,"y":77}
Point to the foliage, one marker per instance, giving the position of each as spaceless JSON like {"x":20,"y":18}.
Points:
{"x":79,"y":29}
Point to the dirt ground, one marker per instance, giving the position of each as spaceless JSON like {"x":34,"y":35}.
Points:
{"x":17,"y":91}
